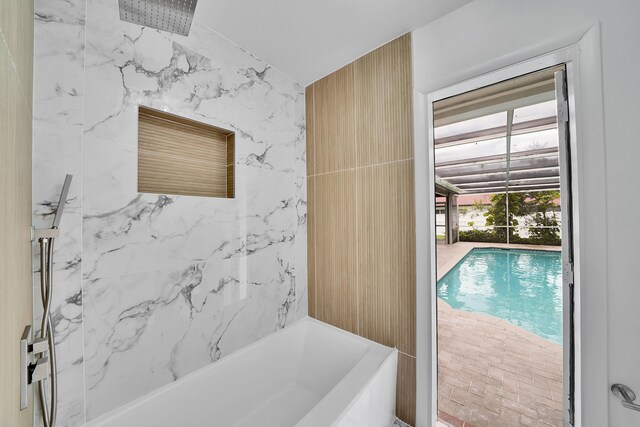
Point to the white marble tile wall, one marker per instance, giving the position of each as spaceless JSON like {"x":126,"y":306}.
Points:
{"x":151,"y":287}
{"x":58,"y":101}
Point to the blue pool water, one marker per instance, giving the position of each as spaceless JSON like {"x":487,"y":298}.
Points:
{"x":522,"y":287}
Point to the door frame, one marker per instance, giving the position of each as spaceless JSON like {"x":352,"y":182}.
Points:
{"x":584,"y":78}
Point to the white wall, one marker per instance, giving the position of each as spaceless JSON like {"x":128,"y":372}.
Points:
{"x":489,"y":34}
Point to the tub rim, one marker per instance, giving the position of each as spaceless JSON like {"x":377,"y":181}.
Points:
{"x":373,"y":349}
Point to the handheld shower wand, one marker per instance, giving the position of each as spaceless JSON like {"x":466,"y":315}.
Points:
{"x":62,"y":201}
{"x":49,"y":405}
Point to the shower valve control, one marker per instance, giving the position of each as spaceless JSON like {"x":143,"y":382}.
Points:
{"x":32,"y":369}
{"x":39,"y":370}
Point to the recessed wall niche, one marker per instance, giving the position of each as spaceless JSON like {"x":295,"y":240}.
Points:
{"x":184,"y":157}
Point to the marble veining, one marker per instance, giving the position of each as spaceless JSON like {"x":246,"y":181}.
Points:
{"x":58,"y":117}
{"x":147,"y":329}
{"x":150,"y":287}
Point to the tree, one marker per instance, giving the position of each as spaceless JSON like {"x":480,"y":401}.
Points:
{"x":540,"y":205}
{"x":477,"y":207}
{"x":497,"y":214}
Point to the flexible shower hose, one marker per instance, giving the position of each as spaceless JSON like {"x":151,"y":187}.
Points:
{"x":49,"y":407}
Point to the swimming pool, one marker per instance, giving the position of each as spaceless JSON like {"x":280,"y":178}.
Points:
{"x":520,"y":286}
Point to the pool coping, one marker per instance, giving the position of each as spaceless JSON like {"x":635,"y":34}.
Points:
{"x":469,"y":246}
{"x":488,"y":248}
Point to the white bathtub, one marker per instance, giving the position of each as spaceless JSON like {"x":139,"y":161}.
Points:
{"x":307,"y":375}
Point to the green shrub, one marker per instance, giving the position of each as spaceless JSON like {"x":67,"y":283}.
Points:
{"x":490,"y":236}
{"x":539,"y":205}
{"x":487,"y":236}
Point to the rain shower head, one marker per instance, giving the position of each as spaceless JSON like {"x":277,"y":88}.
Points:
{"x":174,"y":16}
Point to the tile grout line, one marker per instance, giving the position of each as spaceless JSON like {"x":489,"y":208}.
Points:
{"x":315,"y":197}
{"x":357,"y":242}
{"x":365,"y":167}
{"x":406,"y":354}
{"x":82,"y":289}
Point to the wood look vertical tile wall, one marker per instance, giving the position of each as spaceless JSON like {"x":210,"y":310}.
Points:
{"x":311,"y":242}
{"x":231,"y":166}
{"x":16,"y":24}
{"x":309,"y":113}
{"x":383,"y":116}
{"x":16,"y":298}
{"x":386,"y":254}
{"x":335,"y":240}
{"x":361,"y":204}
{"x":406,"y":389}
{"x":333,"y":122}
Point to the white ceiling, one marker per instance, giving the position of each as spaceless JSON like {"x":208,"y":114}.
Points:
{"x":308,"y":39}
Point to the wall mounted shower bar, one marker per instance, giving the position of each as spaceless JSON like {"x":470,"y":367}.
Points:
{"x":47,"y":352}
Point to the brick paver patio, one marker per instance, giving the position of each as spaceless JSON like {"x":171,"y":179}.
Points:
{"x":493,"y":373}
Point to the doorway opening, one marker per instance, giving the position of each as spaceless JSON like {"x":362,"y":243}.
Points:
{"x":504,"y":253}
